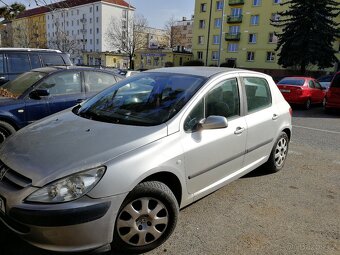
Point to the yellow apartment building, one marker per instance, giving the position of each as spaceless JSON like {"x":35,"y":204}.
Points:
{"x":244,"y":30}
{"x":29,"y":29}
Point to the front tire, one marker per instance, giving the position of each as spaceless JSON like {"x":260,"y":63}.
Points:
{"x":278,"y":154}
{"x":146,"y":219}
{"x":5,"y":131}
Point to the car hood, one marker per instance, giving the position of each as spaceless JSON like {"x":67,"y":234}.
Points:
{"x":65,"y":143}
{"x":7,"y":101}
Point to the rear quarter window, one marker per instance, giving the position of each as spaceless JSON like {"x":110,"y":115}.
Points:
{"x":52,"y":60}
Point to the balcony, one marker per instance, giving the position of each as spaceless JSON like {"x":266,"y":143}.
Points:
{"x":232,"y":36}
{"x":234,"y":19}
{"x":236,"y":2}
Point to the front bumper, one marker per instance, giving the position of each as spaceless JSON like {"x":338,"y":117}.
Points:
{"x":80,"y":225}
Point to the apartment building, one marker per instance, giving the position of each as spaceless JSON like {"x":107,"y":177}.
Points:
{"x":182,"y":32}
{"x":77,"y":27}
{"x":239,"y":33}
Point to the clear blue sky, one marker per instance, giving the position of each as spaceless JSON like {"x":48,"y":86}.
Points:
{"x":157,"y":12}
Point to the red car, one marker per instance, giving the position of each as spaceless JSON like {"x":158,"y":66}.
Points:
{"x":333,"y":94}
{"x":302,"y":90}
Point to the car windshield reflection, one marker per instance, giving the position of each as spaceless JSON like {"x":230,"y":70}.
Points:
{"x":144,"y":100}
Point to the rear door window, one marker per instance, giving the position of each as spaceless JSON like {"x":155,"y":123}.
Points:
{"x":18,"y":62}
{"x":52,"y":60}
{"x":258,"y":93}
{"x":1,"y":63}
{"x":35,"y":61}
{"x":97,"y":81}
{"x":336,"y":81}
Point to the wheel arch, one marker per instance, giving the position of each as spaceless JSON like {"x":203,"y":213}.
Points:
{"x":288,"y":132}
{"x":169,"y":179}
{"x":10,"y":122}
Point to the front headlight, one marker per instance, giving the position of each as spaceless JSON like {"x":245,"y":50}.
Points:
{"x":68,"y":188}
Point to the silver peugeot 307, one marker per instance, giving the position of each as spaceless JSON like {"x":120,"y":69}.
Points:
{"x":117,"y":168}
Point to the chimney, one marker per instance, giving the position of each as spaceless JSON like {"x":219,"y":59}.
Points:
{"x":184,"y":19}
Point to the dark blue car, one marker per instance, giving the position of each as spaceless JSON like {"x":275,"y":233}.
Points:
{"x":44,"y":91}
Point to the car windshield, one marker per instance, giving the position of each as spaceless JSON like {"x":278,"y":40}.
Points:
{"x":326,"y":78}
{"x":18,"y":86}
{"x":144,"y":100}
{"x":292,"y":81}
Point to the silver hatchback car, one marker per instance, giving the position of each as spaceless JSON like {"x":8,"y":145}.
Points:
{"x":117,"y":168}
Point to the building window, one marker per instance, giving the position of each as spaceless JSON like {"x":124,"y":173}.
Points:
{"x":232,"y":47}
{"x":218,"y":22}
{"x":72,"y":13}
{"x":219,"y":5}
{"x":78,"y":22}
{"x":270,"y":56}
{"x":90,"y":31}
{"x":72,"y":22}
{"x":252,"y":38}
{"x":67,"y":23}
{"x":201,"y":39}
{"x":200,"y":55}
{"x":97,"y":30}
{"x":216,"y":39}
{"x":254,"y":20}
{"x":214,"y":55}
{"x":97,"y":41}
{"x":90,"y":41}
{"x":97,"y":8}
{"x":256,"y":2}
{"x":234,"y":30}
{"x":202,"y":23}
{"x":124,"y":14}
{"x":77,"y":12}
{"x":90,"y":9}
{"x":276,"y":1}
{"x":203,"y":7}
{"x":250,"y":56}
{"x":90,"y":20}
{"x":97,"y":19}
{"x":236,"y":12}
{"x":272,"y":38}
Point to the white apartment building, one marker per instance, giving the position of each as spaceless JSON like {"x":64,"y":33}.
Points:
{"x":78,"y":28}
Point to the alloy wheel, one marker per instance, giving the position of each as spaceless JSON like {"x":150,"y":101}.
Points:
{"x":142,"y":221}
{"x":281,"y":152}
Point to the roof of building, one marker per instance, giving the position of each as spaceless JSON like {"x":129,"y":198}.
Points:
{"x":68,"y":4}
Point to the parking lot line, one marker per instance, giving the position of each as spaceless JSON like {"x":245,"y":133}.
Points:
{"x":317,"y":129}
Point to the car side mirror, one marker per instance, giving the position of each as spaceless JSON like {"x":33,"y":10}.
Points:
{"x":38,"y":93}
{"x":214,"y":122}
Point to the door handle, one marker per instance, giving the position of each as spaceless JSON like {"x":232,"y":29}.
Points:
{"x":239,"y":130}
{"x":275,"y":116}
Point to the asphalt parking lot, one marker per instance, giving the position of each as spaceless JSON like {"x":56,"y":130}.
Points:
{"x":295,"y":211}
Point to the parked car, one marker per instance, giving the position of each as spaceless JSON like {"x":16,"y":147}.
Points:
{"x":302,"y":90}
{"x":15,"y":61}
{"x":333,"y":94}
{"x":325,"y":80}
{"x":44,"y":91}
{"x":122,"y":163}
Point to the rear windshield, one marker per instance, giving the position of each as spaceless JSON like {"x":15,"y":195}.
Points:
{"x":292,"y":81}
{"x":336,"y":81}
{"x":52,"y":60}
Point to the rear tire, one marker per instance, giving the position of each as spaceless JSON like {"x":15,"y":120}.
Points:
{"x":5,"y":131}
{"x":278,"y":154}
{"x":146,"y":219}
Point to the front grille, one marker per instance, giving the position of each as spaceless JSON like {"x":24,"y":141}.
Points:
{"x":11,"y":178}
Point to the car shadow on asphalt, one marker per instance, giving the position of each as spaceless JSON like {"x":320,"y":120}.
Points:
{"x":258,"y":172}
{"x":315,"y":112}
{"x":11,"y":244}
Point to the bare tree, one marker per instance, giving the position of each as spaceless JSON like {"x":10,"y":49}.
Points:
{"x":173,"y":32}
{"x":127,"y":37}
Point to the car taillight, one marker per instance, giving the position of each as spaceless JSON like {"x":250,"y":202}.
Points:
{"x":291,"y":112}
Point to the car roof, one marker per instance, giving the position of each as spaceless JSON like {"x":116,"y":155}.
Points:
{"x":51,"y":69}
{"x":196,"y":70}
{"x":30,"y":49}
